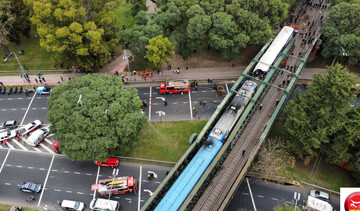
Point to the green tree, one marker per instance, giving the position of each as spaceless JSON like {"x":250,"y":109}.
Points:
{"x":76,"y":35}
{"x":168,"y":17}
{"x":318,"y":119}
{"x":342,"y":30}
{"x":225,"y":37}
{"x":7,"y":20}
{"x":106,"y":119}
{"x":141,"y":18}
{"x":159,"y":51}
{"x":213,"y":6}
{"x":137,"y":6}
{"x":197,"y":30}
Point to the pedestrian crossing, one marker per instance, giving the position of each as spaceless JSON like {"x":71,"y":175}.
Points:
{"x":21,"y":144}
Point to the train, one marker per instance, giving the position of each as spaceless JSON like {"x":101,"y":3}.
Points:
{"x":179,"y":191}
{"x":273,"y":52}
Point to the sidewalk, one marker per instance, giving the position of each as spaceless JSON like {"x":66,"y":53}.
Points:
{"x":190,"y":74}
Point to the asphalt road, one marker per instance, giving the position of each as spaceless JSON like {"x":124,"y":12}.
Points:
{"x":268,"y":194}
{"x":66,"y":179}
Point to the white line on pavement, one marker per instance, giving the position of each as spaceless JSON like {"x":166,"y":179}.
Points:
{"x":97,"y":180}
{"x":260,"y":196}
{"x":2,"y":166}
{"x":7,"y":183}
{"x":19,"y":98}
{"x":227,"y":88}
{"x":22,"y":121}
{"x":57,"y":190}
{"x":88,"y":174}
{"x":68,"y":191}
{"x":43,"y":108}
{"x":150,"y":103}
{"x":13,"y":109}
{"x":245,"y":194}
{"x":9,"y":145}
{"x":76,"y":172}
{"x":8,"y":164}
{"x":20,"y":145}
{"x":54,"y":170}
{"x":47,"y":176}
{"x":1,"y":147}
{"x":30,"y":167}
{"x":19,"y":166}
{"x":191,"y":112}
{"x":145,"y":180}
{"x":174,"y":102}
{"x":47,"y":148}
{"x":48,"y":141}
{"x":3,"y":109}
{"x":42,"y":169}
{"x":23,"y":109}
{"x":274,"y":199}
{"x":139,"y":188}
{"x":157,"y":182}
{"x":203,"y":91}
{"x":9,"y":98}
{"x":66,"y":172}
{"x":156,"y":103}
{"x":80,"y":193}
{"x":145,"y":93}
{"x":34,"y":108}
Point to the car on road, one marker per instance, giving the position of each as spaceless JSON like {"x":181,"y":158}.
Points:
{"x":7,"y":135}
{"x":104,"y":204}
{"x":10,"y":124}
{"x":72,"y":205}
{"x":29,"y":128}
{"x":44,"y":90}
{"x":37,"y":136}
{"x":30,"y":187}
{"x":320,"y":195}
{"x":110,"y":162}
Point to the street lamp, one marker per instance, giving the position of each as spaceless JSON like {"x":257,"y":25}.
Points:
{"x":343,"y":54}
{"x":127,"y":59}
{"x":26,"y":77}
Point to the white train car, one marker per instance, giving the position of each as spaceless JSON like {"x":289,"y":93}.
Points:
{"x":273,"y":51}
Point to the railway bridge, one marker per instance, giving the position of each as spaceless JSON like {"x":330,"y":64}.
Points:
{"x":220,"y":181}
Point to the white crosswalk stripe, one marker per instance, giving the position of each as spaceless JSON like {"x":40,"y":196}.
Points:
{"x":47,"y":149}
{"x":9,"y":145}
{"x":20,"y":145}
{"x":48,"y":141}
{"x":23,"y":139}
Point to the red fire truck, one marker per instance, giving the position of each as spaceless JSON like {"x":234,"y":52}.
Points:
{"x":173,"y":87}
{"x":119,"y":185}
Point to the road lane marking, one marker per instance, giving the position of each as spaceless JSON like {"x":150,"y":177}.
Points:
{"x":260,"y":196}
{"x":76,"y":172}
{"x":66,"y":172}
{"x":150,"y":102}
{"x":127,"y":199}
{"x":34,"y":108}
{"x":139,"y":188}
{"x":97,"y":180}
{"x":27,"y":110}
{"x":80,"y":193}
{"x":23,"y":109}
{"x":18,"y":166}
{"x":9,"y":98}
{"x":54,"y":170}
{"x":117,"y":197}
{"x":145,"y":93}
{"x":4,"y":109}
{"x":43,"y":108}
{"x":88,"y":174}
{"x":274,"y":199}
{"x":174,"y":102}
{"x":20,"y":145}
{"x":203,"y":91}
{"x":145,"y":180}
{"x":47,"y":148}
{"x":57,"y":190}
{"x":7,"y":183}
{"x":47,"y":177}
{"x":158,"y":182}
{"x":9,"y":145}
{"x":246,"y":194}
{"x":191,"y":112}
{"x":2,"y":166}
{"x":13,"y":109}
{"x":8,"y":164}
{"x":30,"y":167}
{"x":68,"y":191}
{"x":42,"y":169}
{"x":1,"y":147}
{"x":19,"y":98}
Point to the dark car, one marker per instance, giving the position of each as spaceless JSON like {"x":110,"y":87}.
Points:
{"x":10,"y":124}
{"x":30,"y":187}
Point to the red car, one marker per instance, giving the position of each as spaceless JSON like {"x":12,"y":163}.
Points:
{"x":110,"y":162}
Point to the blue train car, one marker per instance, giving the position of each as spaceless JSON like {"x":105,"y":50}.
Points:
{"x":189,"y":177}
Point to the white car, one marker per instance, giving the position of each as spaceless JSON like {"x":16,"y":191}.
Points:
{"x":43,"y":90}
{"x":72,"y":205}
{"x":320,"y":195}
{"x":7,"y":135}
{"x":29,"y":128}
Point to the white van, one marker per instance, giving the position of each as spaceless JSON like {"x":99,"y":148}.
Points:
{"x":37,"y":136}
{"x":104,"y":205}
{"x":72,"y":205}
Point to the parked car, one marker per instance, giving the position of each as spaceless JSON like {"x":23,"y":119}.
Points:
{"x":44,"y":90}
{"x":320,"y":195}
{"x":110,"y":162}
{"x":10,"y":124}
{"x":30,"y":187}
{"x":29,"y":128}
{"x":72,"y":205}
{"x":37,"y":136}
{"x":7,"y":135}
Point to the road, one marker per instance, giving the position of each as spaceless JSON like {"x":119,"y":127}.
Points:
{"x":268,"y":194}
{"x":66,"y":179}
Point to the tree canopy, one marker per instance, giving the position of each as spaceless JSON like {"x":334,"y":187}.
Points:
{"x":159,"y":51}
{"x":93,"y":116}
{"x":194,"y":24}
{"x":78,"y":35}
{"x":323,"y":118}
{"x":342,"y":30}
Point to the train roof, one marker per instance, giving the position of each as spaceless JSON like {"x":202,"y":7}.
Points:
{"x":274,"y":49}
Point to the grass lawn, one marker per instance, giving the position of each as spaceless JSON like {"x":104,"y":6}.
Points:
{"x":35,"y":58}
{"x":123,"y":13}
{"x":165,"y":141}
{"x":4,"y":207}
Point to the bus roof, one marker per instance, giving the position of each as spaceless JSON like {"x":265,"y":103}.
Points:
{"x":177,"y":83}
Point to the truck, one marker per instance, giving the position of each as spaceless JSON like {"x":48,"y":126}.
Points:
{"x":174,"y":87}
{"x":115,"y":186}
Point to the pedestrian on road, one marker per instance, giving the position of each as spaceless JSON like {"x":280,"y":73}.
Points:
{"x":260,"y":107}
{"x":243,"y":152}
{"x":36,"y":80}
{"x":165,"y":102}
{"x":277,"y":102}
{"x":43,"y":79}
{"x":117,"y":73}
{"x":40,"y":81}
{"x":62,"y":79}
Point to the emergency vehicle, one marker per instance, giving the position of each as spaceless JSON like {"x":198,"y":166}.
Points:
{"x":314,"y":204}
{"x":173,"y":87}
{"x":119,"y":185}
